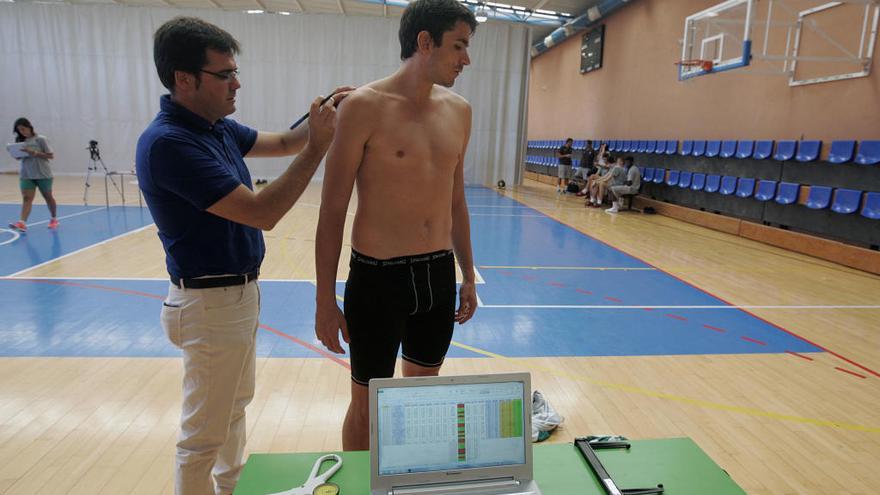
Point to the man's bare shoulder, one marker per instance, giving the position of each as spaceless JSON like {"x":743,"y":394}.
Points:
{"x":451,"y":98}
{"x":364,"y":99}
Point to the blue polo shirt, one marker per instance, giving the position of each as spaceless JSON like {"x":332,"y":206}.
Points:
{"x":185,"y":164}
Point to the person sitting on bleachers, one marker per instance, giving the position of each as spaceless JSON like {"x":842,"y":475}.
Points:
{"x":630,"y":186}
{"x":603,"y":158}
{"x":587,"y":167}
{"x":599,"y":186}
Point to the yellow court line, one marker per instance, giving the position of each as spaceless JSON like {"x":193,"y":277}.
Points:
{"x":599,"y":268}
{"x":676,"y":398}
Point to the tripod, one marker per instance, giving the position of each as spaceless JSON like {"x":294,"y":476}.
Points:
{"x":95,"y":156}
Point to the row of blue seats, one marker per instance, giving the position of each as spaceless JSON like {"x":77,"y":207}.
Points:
{"x":550,"y":161}
{"x":555,"y":144}
{"x":785,"y":193}
{"x":803,"y":151}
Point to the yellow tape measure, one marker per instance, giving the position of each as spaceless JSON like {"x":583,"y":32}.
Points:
{"x":326,"y":489}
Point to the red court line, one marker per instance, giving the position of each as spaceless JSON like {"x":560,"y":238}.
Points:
{"x":584,"y":291}
{"x":808,"y":358}
{"x":704,"y":291}
{"x":557,"y":284}
{"x":156,"y":296}
{"x":748,"y":339}
{"x":710,"y":327}
{"x":613,"y":299}
{"x":850,"y":372}
{"x":676,"y":317}
{"x":88,"y":286}
{"x":306,"y":345}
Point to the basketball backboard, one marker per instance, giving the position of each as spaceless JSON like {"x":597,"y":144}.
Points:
{"x":809,"y":41}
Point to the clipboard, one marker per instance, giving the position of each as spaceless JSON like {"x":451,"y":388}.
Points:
{"x":17,"y":150}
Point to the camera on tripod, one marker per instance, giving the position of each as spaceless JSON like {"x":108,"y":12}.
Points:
{"x":93,"y":150}
{"x":96,"y":162}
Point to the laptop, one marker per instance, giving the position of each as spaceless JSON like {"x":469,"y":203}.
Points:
{"x":452,"y":435}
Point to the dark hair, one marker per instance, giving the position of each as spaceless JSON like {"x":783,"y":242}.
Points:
{"x":21,"y":121}
{"x":628,"y":160}
{"x":569,"y":139}
{"x":182,"y":43}
{"x":434,"y":16}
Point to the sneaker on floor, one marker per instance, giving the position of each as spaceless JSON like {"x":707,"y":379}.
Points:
{"x":613,"y":209}
{"x":19,"y":226}
{"x":53,"y":224}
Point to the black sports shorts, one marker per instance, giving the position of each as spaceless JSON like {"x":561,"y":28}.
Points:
{"x":408,"y":300}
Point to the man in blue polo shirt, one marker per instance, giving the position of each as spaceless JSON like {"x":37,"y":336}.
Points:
{"x":190,"y":167}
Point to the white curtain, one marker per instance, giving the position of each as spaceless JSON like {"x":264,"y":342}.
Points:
{"x":86,"y":72}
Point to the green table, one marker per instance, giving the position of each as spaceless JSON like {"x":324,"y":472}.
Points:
{"x":678,"y":463}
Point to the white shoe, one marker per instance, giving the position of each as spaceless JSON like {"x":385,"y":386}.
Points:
{"x":614,"y":208}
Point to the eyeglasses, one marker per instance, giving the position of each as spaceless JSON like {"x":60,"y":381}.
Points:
{"x":226,"y":75}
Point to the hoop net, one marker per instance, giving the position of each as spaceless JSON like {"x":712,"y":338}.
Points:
{"x":705,"y":65}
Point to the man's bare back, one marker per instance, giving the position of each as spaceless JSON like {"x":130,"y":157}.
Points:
{"x":405,"y":178}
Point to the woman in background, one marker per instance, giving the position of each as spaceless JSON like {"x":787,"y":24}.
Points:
{"x":35,"y":172}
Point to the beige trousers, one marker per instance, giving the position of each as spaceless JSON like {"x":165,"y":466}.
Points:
{"x":216,"y":330}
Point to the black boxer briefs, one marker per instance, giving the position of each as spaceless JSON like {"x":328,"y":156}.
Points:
{"x":408,"y":300}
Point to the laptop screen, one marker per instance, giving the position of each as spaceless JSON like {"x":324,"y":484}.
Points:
{"x":449,"y":427}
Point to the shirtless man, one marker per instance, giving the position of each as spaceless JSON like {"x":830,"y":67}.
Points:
{"x":402,"y":140}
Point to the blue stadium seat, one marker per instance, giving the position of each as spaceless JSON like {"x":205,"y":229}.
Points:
{"x":685,"y":179}
{"x":728,"y":149}
{"x":612,"y":145}
{"x":642,"y":147}
{"x":652,"y":145}
{"x":819,"y":198}
{"x":788,"y":193}
{"x":744,"y":149}
{"x":784,"y":150}
{"x":699,"y":148}
{"x":713,"y":183}
{"x":698,"y":182}
{"x":763,"y":149}
{"x":846,"y":201}
{"x":869,"y":153}
{"x":624,"y":146}
{"x":745,"y":186}
{"x":713,"y":148}
{"x":808,"y":151}
{"x":766,"y":190}
{"x":672,"y":179}
{"x":728,"y":185}
{"x":659,"y":175}
{"x":872,"y":206}
{"x":687,"y":147}
{"x":672,"y":147}
{"x":648,"y":174}
{"x":660,"y":148}
{"x":597,"y":144}
{"x":841,"y":151}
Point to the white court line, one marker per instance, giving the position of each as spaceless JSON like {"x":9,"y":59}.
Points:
{"x":592,"y":268}
{"x":523,"y":207}
{"x":78,"y":251}
{"x":506,"y":215}
{"x":15,"y":236}
{"x":477,"y":280}
{"x":573,"y":306}
{"x":70,"y":216}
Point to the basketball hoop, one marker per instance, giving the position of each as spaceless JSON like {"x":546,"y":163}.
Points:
{"x":705,"y":65}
